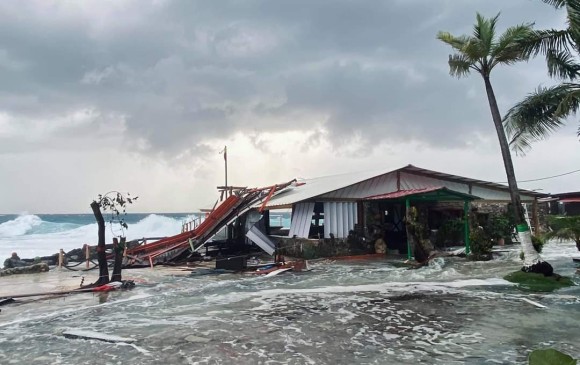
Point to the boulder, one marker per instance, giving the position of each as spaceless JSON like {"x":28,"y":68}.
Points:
{"x":31,"y":269}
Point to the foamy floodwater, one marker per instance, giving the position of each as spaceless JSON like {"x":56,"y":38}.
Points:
{"x":452,"y":312}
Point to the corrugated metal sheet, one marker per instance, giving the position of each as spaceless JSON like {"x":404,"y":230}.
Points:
{"x":301,"y":220}
{"x":373,"y":186}
{"x":412,"y":181}
{"x":311,"y":188}
{"x":260,"y":239}
{"x":339,"y":218}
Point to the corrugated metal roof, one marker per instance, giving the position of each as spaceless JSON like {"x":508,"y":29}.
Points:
{"x":366,"y":183}
{"x":411,"y":168}
{"x":309,"y":188}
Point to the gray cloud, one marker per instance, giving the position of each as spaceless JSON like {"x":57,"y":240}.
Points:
{"x":172,"y":74}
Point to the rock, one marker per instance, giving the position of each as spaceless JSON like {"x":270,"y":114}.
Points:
{"x":196,"y":339}
{"x":32,"y":269}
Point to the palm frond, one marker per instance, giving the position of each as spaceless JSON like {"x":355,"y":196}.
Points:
{"x":556,"y":3}
{"x":507,"y":49}
{"x":475,"y":50}
{"x":484,"y":31}
{"x":543,"y":41}
{"x":573,"y":15}
{"x":570,"y":103}
{"x":562,"y":65}
{"x":460,"y":65}
{"x":539,"y":114}
{"x":457,"y":43}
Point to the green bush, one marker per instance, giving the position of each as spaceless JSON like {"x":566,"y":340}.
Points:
{"x":500,"y":226}
{"x":538,"y":243}
{"x":480,"y":244}
{"x":538,"y":282}
{"x":550,"y":357}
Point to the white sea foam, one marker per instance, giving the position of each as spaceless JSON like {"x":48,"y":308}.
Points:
{"x":19,"y":226}
{"x":23,"y":236}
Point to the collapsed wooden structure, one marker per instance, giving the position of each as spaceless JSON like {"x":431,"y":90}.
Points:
{"x":238,"y":201}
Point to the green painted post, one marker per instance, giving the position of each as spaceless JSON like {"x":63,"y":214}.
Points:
{"x":407,"y":213}
{"x":466,"y":226}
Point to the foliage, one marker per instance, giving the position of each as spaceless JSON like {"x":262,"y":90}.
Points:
{"x":538,"y":243}
{"x":115,"y":204}
{"x":564,"y":228}
{"x":482,"y":51}
{"x":550,"y":357}
{"x":480,"y":244}
{"x":450,"y":232}
{"x":538,"y":282}
{"x":500,"y":226}
{"x":547,"y":109}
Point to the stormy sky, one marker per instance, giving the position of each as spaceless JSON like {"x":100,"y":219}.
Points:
{"x":141,"y":95}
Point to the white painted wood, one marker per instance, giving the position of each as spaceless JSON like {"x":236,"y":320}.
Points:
{"x":534,"y":303}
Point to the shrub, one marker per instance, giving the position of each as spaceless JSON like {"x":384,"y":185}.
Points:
{"x":480,"y":244}
{"x":500,"y":226}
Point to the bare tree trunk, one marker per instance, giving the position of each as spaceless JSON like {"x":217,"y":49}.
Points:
{"x":118,"y":248}
{"x":101,"y":256}
{"x":532,"y":260}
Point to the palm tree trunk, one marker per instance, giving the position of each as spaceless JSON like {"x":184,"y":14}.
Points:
{"x":532,"y":260}
{"x":505,"y":153}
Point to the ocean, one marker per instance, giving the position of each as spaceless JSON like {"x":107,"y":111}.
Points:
{"x":32,"y":235}
{"x":453,"y":311}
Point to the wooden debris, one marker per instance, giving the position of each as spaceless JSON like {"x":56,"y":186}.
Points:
{"x":91,"y":335}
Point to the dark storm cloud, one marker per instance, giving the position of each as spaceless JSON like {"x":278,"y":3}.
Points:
{"x":180,"y":72}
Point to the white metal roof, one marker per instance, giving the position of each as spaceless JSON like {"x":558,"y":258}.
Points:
{"x":359,"y":185}
{"x":309,"y":188}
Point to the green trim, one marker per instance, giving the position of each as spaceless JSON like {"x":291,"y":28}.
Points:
{"x":407,"y":208}
{"x":466,"y":226}
{"x":522,"y":227}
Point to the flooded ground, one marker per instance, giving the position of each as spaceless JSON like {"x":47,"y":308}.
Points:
{"x":373,"y":312}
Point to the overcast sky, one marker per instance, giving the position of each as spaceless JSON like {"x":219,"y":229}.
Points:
{"x":141,"y":95}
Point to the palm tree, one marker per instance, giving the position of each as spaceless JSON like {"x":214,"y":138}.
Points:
{"x":565,"y":228}
{"x":547,"y":108}
{"x":482,"y":52}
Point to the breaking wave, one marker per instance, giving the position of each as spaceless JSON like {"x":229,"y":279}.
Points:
{"x":31,"y":236}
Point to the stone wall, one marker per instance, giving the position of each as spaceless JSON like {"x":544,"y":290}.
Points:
{"x":317,"y":248}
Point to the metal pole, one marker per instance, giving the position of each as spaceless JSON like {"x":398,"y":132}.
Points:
{"x":466,"y":226}
{"x":408,"y":215}
{"x":226,"y":165}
